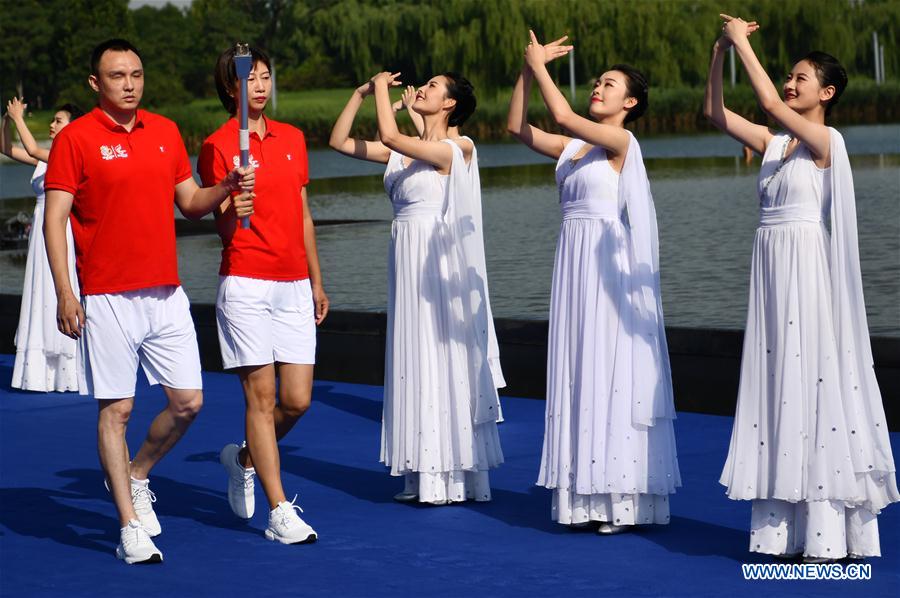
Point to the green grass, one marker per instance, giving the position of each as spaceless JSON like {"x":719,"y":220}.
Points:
{"x":670,"y":111}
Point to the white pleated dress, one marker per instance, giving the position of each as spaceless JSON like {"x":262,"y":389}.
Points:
{"x":809,"y":445}
{"x":600,"y":463}
{"x":429,"y":429}
{"x":46,"y":359}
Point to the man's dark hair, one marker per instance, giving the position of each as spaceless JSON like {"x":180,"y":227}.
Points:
{"x":115,"y":45}
{"x":226,"y":75}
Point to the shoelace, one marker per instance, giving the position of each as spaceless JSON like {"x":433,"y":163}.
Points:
{"x":285,"y":514}
{"x":142,"y":497}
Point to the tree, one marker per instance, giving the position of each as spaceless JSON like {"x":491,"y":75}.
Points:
{"x":25,"y":33}
{"x":80,"y":26}
{"x":163,"y":38}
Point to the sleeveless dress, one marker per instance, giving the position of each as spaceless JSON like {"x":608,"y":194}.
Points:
{"x":437,"y":381}
{"x":46,"y":359}
{"x":809,"y":445}
{"x":601,"y":464}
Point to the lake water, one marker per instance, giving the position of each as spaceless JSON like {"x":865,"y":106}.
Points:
{"x":706,"y":205}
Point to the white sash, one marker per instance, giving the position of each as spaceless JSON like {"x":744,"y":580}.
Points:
{"x":462,"y":214}
{"x":863,"y":408}
{"x":652,"y":390}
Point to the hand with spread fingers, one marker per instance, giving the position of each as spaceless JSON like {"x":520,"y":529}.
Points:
{"x":734,"y":29}
{"x":409,"y":96}
{"x":386,"y":78}
{"x":15,"y":109}
{"x":537,"y":55}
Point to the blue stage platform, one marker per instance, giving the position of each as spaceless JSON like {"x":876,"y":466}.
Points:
{"x":58,"y":530}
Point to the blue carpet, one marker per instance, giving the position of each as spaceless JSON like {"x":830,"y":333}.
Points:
{"x":58,"y":530}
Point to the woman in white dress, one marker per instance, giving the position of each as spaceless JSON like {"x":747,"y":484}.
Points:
{"x":609,"y":446}
{"x":810,"y":443}
{"x":442,"y":366}
{"x":45,"y":359}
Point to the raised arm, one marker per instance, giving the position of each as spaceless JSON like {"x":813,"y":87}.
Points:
{"x":815,"y":136}
{"x":7,"y":147}
{"x":614,"y":139}
{"x":755,"y":136}
{"x":436,"y":153}
{"x":405,"y":102}
{"x":340,"y":140}
{"x":16,"y":110}
{"x":549,"y":144}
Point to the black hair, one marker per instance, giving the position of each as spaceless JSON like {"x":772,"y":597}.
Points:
{"x":115,"y":45}
{"x":226,"y":74}
{"x":73,"y":110}
{"x":829,"y":72}
{"x":459,"y":88}
{"x":637,"y":88}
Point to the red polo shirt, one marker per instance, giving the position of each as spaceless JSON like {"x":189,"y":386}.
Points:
{"x":272,"y":248}
{"x":123,"y":214}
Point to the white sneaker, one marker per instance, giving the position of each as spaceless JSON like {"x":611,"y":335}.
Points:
{"x":240,"y":482}
{"x":285,"y":525}
{"x":143,"y":498}
{"x":135,"y":545}
{"x":608,"y":529}
{"x":141,"y":494}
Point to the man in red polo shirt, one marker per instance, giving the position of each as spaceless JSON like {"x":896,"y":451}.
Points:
{"x":116,"y":174}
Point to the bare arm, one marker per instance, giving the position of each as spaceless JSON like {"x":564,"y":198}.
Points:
{"x":320,"y":299}
{"x":340,"y":140}
{"x":405,"y":103}
{"x":69,"y":314}
{"x":195,"y":202}
{"x":815,"y":136}
{"x":614,"y":139}
{"x":436,"y":153}
{"x":548,"y":144}
{"x":409,"y":96}
{"x":16,"y":111}
{"x":755,"y":136}
{"x":7,"y":148}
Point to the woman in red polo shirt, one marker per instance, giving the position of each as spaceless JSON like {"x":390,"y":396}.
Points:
{"x":270,"y":295}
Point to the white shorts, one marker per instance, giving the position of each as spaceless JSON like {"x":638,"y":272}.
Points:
{"x":150,"y":326}
{"x":265,"y":321}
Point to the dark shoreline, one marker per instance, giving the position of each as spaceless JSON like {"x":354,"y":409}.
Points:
{"x":705,"y":362}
